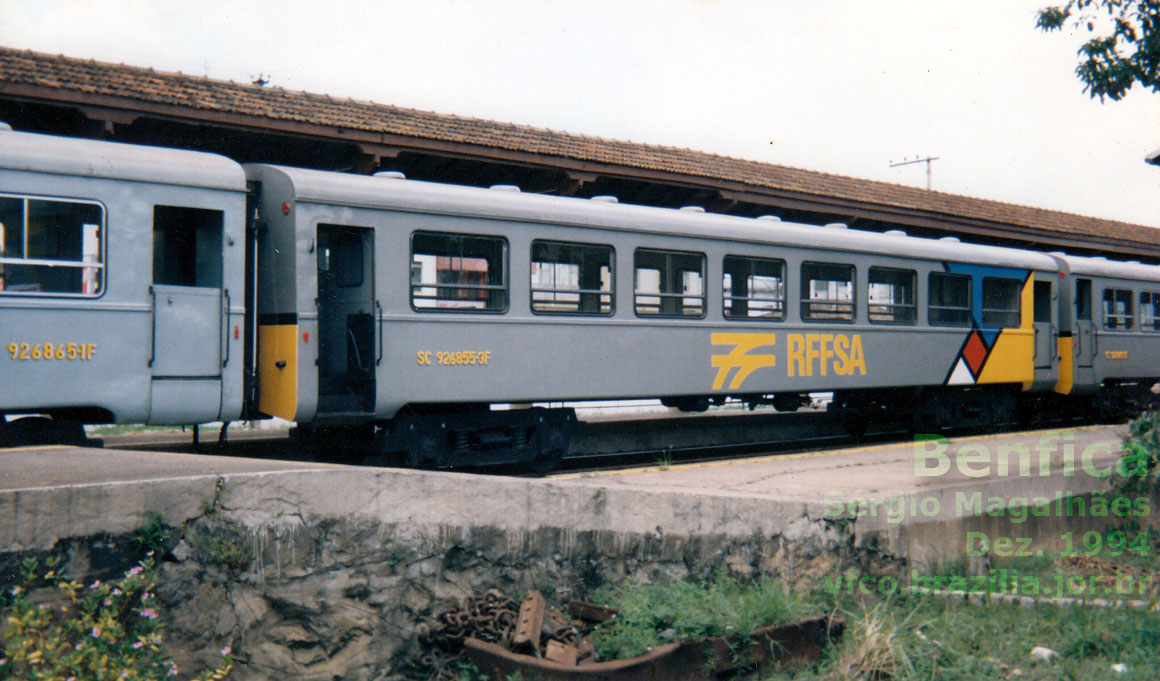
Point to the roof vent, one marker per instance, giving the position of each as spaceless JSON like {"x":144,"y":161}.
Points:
{"x":505,"y":188}
{"x":693,"y":209}
{"x":837,"y":225}
{"x":895,"y":232}
{"x":1100,"y":257}
{"x":5,"y":126}
{"x":770,"y":218}
{"x":604,"y":198}
{"x":390,"y":175}
{"x":1134,"y":262}
{"x":950,"y":239}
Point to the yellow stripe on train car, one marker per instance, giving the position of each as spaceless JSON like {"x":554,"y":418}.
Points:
{"x":278,"y":370}
{"x":1066,"y":380}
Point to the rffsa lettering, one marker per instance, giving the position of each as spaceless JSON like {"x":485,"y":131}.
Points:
{"x":820,"y":354}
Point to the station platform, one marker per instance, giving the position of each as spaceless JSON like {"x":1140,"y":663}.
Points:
{"x":917,"y":499}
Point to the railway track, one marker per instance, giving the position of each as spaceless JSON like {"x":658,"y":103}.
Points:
{"x":604,"y":445}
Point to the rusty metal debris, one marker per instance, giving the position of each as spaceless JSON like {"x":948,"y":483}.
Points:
{"x":540,"y":642}
{"x":698,"y":659}
{"x":493,"y":618}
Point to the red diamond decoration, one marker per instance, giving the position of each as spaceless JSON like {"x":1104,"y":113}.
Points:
{"x":975,"y":352}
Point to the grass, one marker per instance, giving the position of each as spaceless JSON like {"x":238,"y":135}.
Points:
{"x":897,"y":636}
{"x":123,"y":428}
{"x":654,"y":614}
{"x":919,"y":637}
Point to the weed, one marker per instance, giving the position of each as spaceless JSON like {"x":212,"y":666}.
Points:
{"x":212,"y":505}
{"x":151,"y":537}
{"x":654,"y":614}
{"x":228,"y":552}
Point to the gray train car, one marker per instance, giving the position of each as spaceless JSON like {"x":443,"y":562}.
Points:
{"x":383,"y":300}
{"x":121,"y":276}
{"x":1111,"y":332}
{"x":144,"y":285}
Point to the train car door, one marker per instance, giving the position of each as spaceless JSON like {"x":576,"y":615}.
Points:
{"x":188,"y":308}
{"x":347,"y":351}
{"x":1046,"y":341}
{"x":1085,"y":330}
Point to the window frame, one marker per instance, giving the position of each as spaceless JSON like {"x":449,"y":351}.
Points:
{"x":665,"y":279}
{"x":727,"y":296}
{"x":931,"y":307}
{"x":503,"y":288}
{"x":600,"y":293}
{"x":807,"y":303}
{"x":1017,"y":310}
{"x":1128,"y":316}
{"x":894,"y":307}
{"x":100,"y":265}
{"x":1150,"y":324}
{"x":181,"y":228}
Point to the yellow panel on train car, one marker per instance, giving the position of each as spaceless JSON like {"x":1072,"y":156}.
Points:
{"x":1012,"y":359}
{"x":278,"y":370}
{"x":1066,"y":379}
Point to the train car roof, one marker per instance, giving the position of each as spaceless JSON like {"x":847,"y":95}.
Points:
{"x":113,"y":160}
{"x":315,"y":186}
{"x":1077,"y":264}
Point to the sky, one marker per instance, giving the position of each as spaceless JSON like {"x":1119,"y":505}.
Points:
{"x":839,"y":86}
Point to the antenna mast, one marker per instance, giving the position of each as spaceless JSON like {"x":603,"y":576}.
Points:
{"x":926,"y":160}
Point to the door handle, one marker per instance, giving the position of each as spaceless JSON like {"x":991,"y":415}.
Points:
{"x":226,"y":293}
{"x":153,"y":328}
{"x":379,"y":360}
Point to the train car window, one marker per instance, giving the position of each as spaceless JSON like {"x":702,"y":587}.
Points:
{"x":187,"y":246}
{"x":890,"y":296}
{"x":1001,"y":302}
{"x":343,"y":255}
{"x":458,"y":273}
{"x":754,"y":288}
{"x":827,"y":292}
{"x":949,"y":299}
{"x":1083,"y":299}
{"x":1150,"y":311}
{"x":1041,"y":305}
{"x":51,"y":247}
{"x":669,"y":283}
{"x":571,"y":278}
{"x":1118,"y":314}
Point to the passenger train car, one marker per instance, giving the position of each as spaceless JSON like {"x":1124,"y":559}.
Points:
{"x":151,"y":285}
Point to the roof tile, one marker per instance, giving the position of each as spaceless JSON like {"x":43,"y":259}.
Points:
{"x":148,"y":86}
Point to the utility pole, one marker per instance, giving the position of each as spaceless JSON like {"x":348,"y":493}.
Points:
{"x":926,"y":160}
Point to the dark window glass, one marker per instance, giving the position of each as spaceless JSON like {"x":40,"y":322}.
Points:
{"x":458,"y":273}
{"x":49,"y":246}
{"x":1001,"y":302}
{"x":890,"y":296}
{"x":827,"y":292}
{"x":669,"y":283}
{"x":187,"y":246}
{"x":1083,"y":299}
{"x":571,"y":278}
{"x":1118,"y":309}
{"x":949,"y":299}
{"x":754,"y":288}
{"x":1150,"y":311}
{"x":1042,"y":305}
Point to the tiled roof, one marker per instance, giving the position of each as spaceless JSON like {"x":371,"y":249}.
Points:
{"x":149,"y":87}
